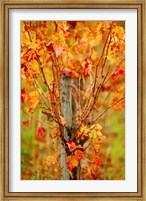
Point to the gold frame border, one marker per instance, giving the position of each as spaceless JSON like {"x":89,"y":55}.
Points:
{"x":4,"y":115}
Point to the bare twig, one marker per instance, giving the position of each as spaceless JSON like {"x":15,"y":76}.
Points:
{"x":108,"y":109}
{"x":38,"y":120}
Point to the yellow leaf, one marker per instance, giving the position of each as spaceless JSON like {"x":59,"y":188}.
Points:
{"x":99,"y":133}
{"x":83,"y":128}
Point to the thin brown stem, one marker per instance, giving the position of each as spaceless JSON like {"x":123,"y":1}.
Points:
{"x":108,"y":109}
{"x":38,"y":121}
{"x":94,"y":91}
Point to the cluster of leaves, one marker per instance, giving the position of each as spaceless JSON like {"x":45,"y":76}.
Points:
{"x":92,"y":54}
{"x":92,"y":134}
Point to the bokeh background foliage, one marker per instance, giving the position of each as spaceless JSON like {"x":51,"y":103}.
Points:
{"x":76,"y":47}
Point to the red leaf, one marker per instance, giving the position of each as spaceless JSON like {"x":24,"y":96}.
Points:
{"x":26,"y":123}
{"x":85,"y":135}
{"x":50,"y":46}
{"x":23,"y":96}
{"x":86,"y":68}
{"x":86,"y":72}
{"x":23,"y":66}
{"x":23,"y":91}
{"x":87,"y":63}
{"x":118,"y":74}
{"x":22,"y":99}
{"x":41,"y":132}
{"x":71,"y":145}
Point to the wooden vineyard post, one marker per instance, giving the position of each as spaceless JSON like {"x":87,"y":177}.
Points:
{"x":66,"y":106}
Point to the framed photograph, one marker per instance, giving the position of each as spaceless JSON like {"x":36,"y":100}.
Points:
{"x":72,"y":104}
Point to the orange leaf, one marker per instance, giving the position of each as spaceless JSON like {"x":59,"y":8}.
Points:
{"x":120,"y":105}
{"x":30,"y":55}
{"x":71,"y":162}
{"x":78,"y":155}
{"x":33,"y":106}
{"x":63,"y":120}
{"x":96,"y":160}
{"x":26,"y":123}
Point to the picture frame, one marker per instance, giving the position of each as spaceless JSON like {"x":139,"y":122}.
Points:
{"x":6,"y":5}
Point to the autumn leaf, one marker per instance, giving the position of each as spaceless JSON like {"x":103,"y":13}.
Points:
{"x":26,"y":123}
{"x":86,"y":72}
{"x":118,"y":74}
{"x":94,"y":134}
{"x":83,"y":128}
{"x":78,"y":154}
{"x":86,"y":68}
{"x":30,"y":55}
{"x":58,"y":50}
{"x":71,"y":145}
{"x":24,"y":66}
{"x":92,"y":54}
{"x":37,"y":45}
{"x":24,"y":96}
{"x":74,"y":161}
{"x":50,"y":46}
{"x":63,"y":120}
{"x":49,"y":161}
{"x":98,"y":127}
{"x":41,"y":132}
{"x":96,"y":160}
{"x":71,"y":162}
{"x":22,"y":99}
{"x":33,"y":106}
{"x":85,"y":136}
{"x":98,"y":140}
{"x":78,"y":135}
{"x":96,"y":148}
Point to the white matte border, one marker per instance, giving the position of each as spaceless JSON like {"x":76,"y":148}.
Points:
{"x":127,"y":185}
